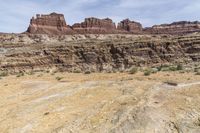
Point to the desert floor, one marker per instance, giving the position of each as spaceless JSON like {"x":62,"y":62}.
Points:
{"x":100,"y":102}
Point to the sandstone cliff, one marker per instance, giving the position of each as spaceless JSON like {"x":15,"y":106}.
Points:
{"x":49,"y":24}
{"x":182,"y":27}
{"x":54,"y":24}
{"x":23,"y":52}
{"x":127,"y":26}
{"x":95,"y":26}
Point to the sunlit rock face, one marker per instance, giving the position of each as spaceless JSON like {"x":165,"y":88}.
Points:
{"x":178,"y":28}
{"x":127,"y":26}
{"x":95,"y":26}
{"x":49,"y":24}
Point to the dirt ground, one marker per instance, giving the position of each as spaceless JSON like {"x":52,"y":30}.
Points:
{"x":101,"y":103}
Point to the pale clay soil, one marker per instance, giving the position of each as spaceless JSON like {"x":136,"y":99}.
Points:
{"x":100,"y":103}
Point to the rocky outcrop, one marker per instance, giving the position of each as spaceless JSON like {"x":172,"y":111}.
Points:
{"x":55,"y":24}
{"x":94,"y":52}
{"x":182,"y":27}
{"x":95,"y":26}
{"x":127,"y":26}
{"x":49,"y":24}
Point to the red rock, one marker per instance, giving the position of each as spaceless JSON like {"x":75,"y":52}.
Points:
{"x":49,"y":24}
{"x":129,"y":26}
{"x":182,"y":27}
{"x":95,"y":26}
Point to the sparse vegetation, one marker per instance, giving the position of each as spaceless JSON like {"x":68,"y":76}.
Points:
{"x":20,"y":74}
{"x":133,"y":70}
{"x":197,"y":73}
{"x":77,"y":71}
{"x":30,"y":73}
{"x":59,"y":78}
{"x":47,"y":71}
{"x":87,"y":72}
{"x":179,"y":67}
{"x":3,"y":74}
{"x":170,"y":68}
{"x":147,"y":72}
{"x":40,"y":75}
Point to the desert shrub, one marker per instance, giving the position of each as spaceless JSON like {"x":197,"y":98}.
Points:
{"x":164,"y":67}
{"x":172,"y":68}
{"x":196,"y":69}
{"x":154,"y":70}
{"x":3,"y":74}
{"x":30,"y":73}
{"x":179,"y":67}
{"x":147,"y":72}
{"x":133,"y":70}
{"x":197,"y":73}
{"x":59,"y":78}
{"x":87,"y":72}
{"x":77,"y":71}
{"x":20,"y":74}
{"x":40,"y":75}
{"x":47,"y":71}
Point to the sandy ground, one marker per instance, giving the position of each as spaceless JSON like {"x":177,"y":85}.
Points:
{"x":100,"y":103}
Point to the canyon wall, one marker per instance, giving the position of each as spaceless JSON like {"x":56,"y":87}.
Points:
{"x":96,"y":53}
{"x":55,"y":24}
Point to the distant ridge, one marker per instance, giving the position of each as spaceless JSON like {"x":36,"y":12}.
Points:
{"x":55,"y":24}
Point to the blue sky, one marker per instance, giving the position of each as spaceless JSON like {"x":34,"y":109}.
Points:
{"x":16,"y":14}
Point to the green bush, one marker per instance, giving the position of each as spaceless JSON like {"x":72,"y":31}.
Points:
{"x":179,"y":67}
{"x":133,"y":70}
{"x":3,"y":74}
{"x":147,"y":72}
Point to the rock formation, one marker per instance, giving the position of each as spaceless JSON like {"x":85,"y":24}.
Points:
{"x":49,"y":24}
{"x":182,"y":27}
{"x":95,"y":26}
{"x":94,"y":52}
{"x":55,"y":24}
{"x":128,"y":26}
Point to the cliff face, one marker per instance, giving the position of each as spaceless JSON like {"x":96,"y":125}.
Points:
{"x":128,"y":26}
{"x":54,"y":24}
{"x":95,"y":26}
{"x":94,"y":52}
{"x":49,"y":24}
{"x":182,"y":27}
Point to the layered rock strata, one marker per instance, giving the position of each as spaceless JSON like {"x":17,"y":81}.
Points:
{"x":127,"y":26}
{"x":95,"y":26}
{"x":182,"y":27}
{"x":49,"y":24}
{"x":94,"y":52}
{"x":55,"y":24}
